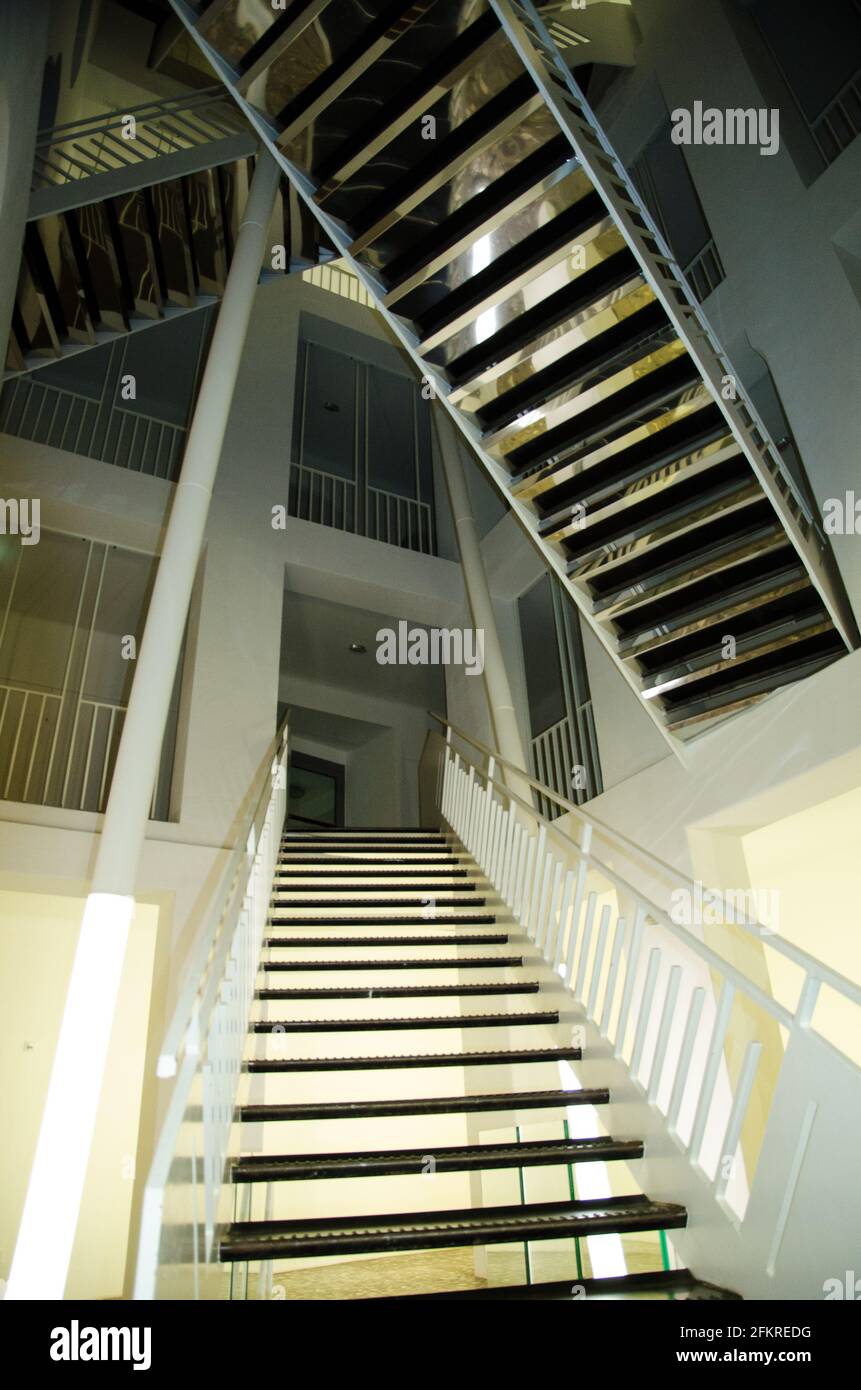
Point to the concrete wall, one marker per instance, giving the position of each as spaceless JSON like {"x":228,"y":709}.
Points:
{"x":786,"y":291}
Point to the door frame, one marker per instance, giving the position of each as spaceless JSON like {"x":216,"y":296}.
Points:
{"x":308,"y":763}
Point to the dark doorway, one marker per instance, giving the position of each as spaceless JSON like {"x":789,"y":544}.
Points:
{"x":315,"y":793}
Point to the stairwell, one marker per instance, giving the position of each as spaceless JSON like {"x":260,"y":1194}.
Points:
{"x":451,"y":158}
{"x":363,"y":1080}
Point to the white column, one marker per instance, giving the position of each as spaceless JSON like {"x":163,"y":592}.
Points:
{"x":47,"y":1230}
{"x":496,"y":683}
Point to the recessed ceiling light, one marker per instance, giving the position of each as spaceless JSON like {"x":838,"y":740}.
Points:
{"x":358,"y":647}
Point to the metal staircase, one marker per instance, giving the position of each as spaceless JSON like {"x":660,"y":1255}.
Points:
{"x":580,"y":1048}
{"x":455,"y":164}
{"x":322,"y":1136}
{"x":132,"y":221}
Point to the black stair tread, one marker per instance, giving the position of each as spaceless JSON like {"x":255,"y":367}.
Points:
{"x":680,"y":470}
{"x":441,"y":1229}
{"x":422,"y":88}
{"x":607,"y":418}
{"x":547,"y":239}
{"x":714,"y":608}
{"x":705,"y":662}
{"x":411,"y":1060}
{"x":691,"y":708}
{"x":362,"y":855}
{"x":385,"y":28}
{"x":318,"y":941}
{"x":399,"y":991}
{"x":673,"y":1284}
{"x":532,"y":324}
{"x":398,"y":871}
{"x":595,"y":359}
{"x":447,"y":963}
{"x":376,"y":1025}
{"x":469,"y":919}
{"x":402,"y":195}
{"x":468,"y":218}
{"x":733,"y":552}
{"x":419,"y":904}
{"x":447,"y":1159}
{"x":431,"y":1105}
{"x":354,"y":894}
{"x":371,"y":830}
{"x":597,"y":480}
{"x":626,"y":537}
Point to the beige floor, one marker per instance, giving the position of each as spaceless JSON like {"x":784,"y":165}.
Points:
{"x":434,"y":1271}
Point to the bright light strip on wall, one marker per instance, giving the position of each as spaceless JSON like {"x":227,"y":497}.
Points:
{"x":47,"y":1231}
{"x":606,"y":1253}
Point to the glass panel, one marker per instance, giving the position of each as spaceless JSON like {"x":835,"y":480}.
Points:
{"x":122,"y":611}
{"x":662,"y":176}
{"x":541,"y":657}
{"x":312,"y":797}
{"x":42,"y":613}
{"x":391,"y":433}
{"x":329,"y":424}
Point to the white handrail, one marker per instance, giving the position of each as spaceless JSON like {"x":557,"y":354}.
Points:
{"x":816,"y":969}
{"x":744,"y":1204}
{"x":204,"y":952}
{"x":184,"y":1202}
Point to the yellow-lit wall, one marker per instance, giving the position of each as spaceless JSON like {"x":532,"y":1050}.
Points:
{"x":37,"y":941}
{"x":811,"y":859}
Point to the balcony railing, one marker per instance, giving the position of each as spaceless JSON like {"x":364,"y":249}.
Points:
{"x":337,"y":280}
{"x":123,"y":141}
{"x":840,"y":122}
{"x":331,"y":500}
{"x":47,"y":764}
{"x":62,"y":419}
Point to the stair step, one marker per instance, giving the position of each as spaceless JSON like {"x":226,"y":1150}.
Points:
{"x":376,"y":1025}
{"x":319,"y":941}
{"x":596,"y":359}
{"x":410,"y":100}
{"x":449,"y":1159}
{"x":672,"y":1284}
{"x":399,"y":991}
{"x":345,"y":859}
{"x":617,"y":272}
{"x":422,"y":905}
{"x":434,"y":1105}
{"x":406,"y":878}
{"x":370,"y":832}
{"x":449,"y":963}
{"x":469,"y":919}
{"x":362,"y":869}
{"x":410,"y":1061}
{"x":443,"y":1229}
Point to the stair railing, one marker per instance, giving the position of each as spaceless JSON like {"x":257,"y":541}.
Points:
{"x":103,"y":147}
{"x":185,"y":1200}
{"x":685,"y":1030}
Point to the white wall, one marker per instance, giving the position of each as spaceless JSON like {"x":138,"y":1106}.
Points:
{"x":786,"y":292}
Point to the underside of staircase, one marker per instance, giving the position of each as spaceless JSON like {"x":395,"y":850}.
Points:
{"x":453,"y":161}
{"x":450,"y":1132}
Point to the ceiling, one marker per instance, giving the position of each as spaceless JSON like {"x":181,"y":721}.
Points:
{"x":315,"y":644}
{"x":336,"y":730}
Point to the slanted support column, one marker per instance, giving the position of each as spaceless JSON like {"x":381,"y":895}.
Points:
{"x":496,"y":683}
{"x":47,"y":1230}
